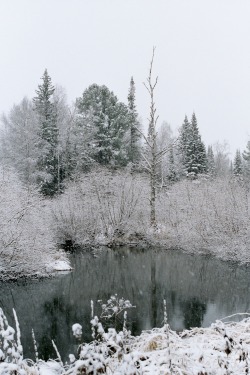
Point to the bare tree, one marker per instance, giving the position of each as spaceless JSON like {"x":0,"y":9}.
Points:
{"x":152,"y":157}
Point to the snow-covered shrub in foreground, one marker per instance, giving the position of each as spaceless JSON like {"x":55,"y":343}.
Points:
{"x":27,"y":244}
{"x":220,"y":349}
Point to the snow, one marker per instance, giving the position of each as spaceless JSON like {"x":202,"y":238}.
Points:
{"x":61,"y":265}
{"x":77,"y":330}
{"x":50,"y":368}
{"x":221,"y":349}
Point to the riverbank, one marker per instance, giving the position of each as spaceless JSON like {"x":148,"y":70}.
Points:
{"x":221,"y":349}
{"x":111,"y":208}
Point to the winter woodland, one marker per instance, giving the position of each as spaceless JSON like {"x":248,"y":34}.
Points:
{"x":88,"y":174}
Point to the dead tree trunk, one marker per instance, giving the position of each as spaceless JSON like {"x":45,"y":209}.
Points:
{"x":151,"y":142}
{"x":152,"y":157}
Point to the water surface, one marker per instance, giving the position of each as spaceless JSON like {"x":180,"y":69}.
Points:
{"x":198,"y":290}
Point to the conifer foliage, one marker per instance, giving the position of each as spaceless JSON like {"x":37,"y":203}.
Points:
{"x":100,"y":113}
{"x":192,"y":149}
{"x":48,"y":165}
{"x":237,"y":164}
{"x":134,"y":153}
{"x":210,"y":161}
{"x":246,"y":161}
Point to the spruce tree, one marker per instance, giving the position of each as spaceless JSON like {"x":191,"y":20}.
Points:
{"x":196,"y":150}
{"x":134,"y":154}
{"x":172,"y":175}
{"x":101,"y":114}
{"x":183,"y":141}
{"x":192,"y":149}
{"x":48,"y":166}
{"x":237,"y":164}
{"x":210,"y":161}
{"x":246,"y":161}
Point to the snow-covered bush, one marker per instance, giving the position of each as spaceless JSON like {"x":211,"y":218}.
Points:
{"x":113,"y":208}
{"x":27,"y":244}
{"x":102,"y":207}
{"x":207,"y":214}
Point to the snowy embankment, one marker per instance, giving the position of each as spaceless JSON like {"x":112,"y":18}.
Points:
{"x":220,"y":349}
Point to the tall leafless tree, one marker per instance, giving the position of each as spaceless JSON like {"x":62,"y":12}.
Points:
{"x":152,"y":157}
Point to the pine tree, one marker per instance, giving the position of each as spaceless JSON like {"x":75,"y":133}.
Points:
{"x":101,"y":114}
{"x":134,"y":154}
{"x":237,"y":164}
{"x":48,"y":165}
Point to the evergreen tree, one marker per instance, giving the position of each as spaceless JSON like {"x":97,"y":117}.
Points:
{"x":246,"y":161}
{"x":48,"y":166}
{"x":193,"y":152}
{"x":183,"y":141}
{"x":134,"y":154}
{"x":107,"y":120}
{"x":237,"y":164}
{"x":196,"y":150}
{"x":64,"y":117}
{"x":172,"y":175}
{"x":210,"y":161}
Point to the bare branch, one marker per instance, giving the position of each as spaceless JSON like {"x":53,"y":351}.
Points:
{"x":145,"y":138}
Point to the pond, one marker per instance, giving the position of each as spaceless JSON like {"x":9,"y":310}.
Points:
{"x":198,"y":290}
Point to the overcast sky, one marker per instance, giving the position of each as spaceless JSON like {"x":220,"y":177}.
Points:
{"x":202,"y":56}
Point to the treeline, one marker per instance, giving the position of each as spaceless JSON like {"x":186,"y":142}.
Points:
{"x":48,"y":142}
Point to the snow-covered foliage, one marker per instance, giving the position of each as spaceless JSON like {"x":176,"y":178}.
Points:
{"x":207,"y":215}
{"x":102,"y":207}
{"x":192,"y":149}
{"x":100,"y":112}
{"x":221,"y":349}
{"x":196,"y":215}
{"x":27,"y":244}
{"x":20,"y":141}
{"x":77,"y":330}
{"x":114,"y":306}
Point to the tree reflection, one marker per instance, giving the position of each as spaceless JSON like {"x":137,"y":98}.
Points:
{"x":193,"y":312}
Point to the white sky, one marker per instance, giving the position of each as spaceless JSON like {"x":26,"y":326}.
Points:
{"x":202,"y":56}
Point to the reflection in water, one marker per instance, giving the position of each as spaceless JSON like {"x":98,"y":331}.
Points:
{"x":193,"y":312}
{"x":197,"y":289}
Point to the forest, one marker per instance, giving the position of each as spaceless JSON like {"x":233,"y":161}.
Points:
{"x":89,"y":174}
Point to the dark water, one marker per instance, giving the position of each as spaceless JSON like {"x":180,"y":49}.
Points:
{"x":197,"y":289}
